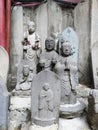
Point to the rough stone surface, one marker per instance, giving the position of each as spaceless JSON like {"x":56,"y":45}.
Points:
{"x":93,"y":110}
{"x":46,"y":91}
{"x":4,"y":103}
{"x":72,"y":111}
{"x":94,"y":41}
{"x":79,"y":123}
{"x":4,"y":64}
{"x":16,"y":39}
{"x":19,"y":110}
{"x":82,"y":28}
{"x":52,"y":127}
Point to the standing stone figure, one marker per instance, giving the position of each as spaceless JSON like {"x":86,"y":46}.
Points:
{"x":45,"y":98}
{"x":49,"y":57}
{"x":25,"y":81}
{"x":66,"y":68}
{"x":31,"y":47}
{"x":46,"y":102}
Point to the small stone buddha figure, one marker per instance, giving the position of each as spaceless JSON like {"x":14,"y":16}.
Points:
{"x":48,"y":57}
{"x":66,"y":68}
{"x":25,"y":81}
{"x":45,"y":106}
{"x":31,"y":47}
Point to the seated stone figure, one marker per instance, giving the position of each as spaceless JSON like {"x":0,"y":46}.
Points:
{"x":46,"y":102}
{"x":66,"y":68}
{"x":49,"y":57}
{"x":25,"y":81}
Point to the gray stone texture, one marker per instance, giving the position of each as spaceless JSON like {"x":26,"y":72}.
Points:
{"x":4,"y":64}
{"x":47,"y":99}
{"x":93,"y":110}
{"x":82,"y":28}
{"x":4,"y":103}
{"x":16,"y":39}
{"x":94,"y":41}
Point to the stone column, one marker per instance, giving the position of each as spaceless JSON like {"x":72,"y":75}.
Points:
{"x":82,"y":28}
{"x":16,"y":38}
{"x":94,"y":40}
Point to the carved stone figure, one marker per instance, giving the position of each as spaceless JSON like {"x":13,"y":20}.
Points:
{"x":25,"y":81}
{"x":46,"y":91}
{"x":31,"y":50}
{"x":46,"y":102}
{"x":66,"y":68}
{"x":49,"y":57}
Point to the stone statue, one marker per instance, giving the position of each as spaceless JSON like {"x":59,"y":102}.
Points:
{"x":31,"y":47}
{"x":66,"y":68}
{"x":49,"y":57}
{"x":25,"y":81}
{"x":46,"y":102}
{"x":45,"y":98}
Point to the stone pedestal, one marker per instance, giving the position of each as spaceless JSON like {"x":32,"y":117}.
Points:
{"x":72,"y":117}
{"x":78,"y":123}
{"x":68,"y":111}
{"x":51,"y":127}
{"x":19,"y":110}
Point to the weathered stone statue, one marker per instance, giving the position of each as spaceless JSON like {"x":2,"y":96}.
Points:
{"x":31,"y":50}
{"x":66,"y":68}
{"x":31,"y":46}
{"x":46,"y":105}
{"x":49,"y":57}
{"x":46,"y":91}
{"x":25,"y":81}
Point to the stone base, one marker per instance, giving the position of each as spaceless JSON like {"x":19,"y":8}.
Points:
{"x":78,"y":123}
{"x":44,"y":122}
{"x":19,"y":110}
{"x":72,"y":110}
{"x":52,"y":127}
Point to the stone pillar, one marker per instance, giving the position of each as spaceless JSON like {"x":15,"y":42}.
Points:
{"x":16,"y":38}
{"x":41,"y":22}
{"x":82,"y":28}
{"x":4,"y":100}
{"x":94,"y":40}
{"x":54,"y":20}
{"x":93,"y":110}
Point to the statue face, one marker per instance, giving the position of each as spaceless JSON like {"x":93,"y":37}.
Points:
{"x":49,"y":44}
{"x":31,"y":27}
{"x":66,"y":49}
{"x":26,"y":70}
{"x":46,"y":86}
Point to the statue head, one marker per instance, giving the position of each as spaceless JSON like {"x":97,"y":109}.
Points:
{"x":66,"y":49}
{"x":26,"y":70}
{"x":46,"y":86}
{"x":49,"y":44}
{"x":31,"y":27}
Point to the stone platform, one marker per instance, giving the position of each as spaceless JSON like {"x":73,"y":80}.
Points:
{"x":51,"y":127}
{"x":20,"y":110}
{"x":72,"y":110}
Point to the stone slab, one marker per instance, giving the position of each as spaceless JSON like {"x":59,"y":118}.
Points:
{"x":52,"y":127}
{"x":4,"y":63}
{"x":45,"y":112}
{"x":4,"y":103}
